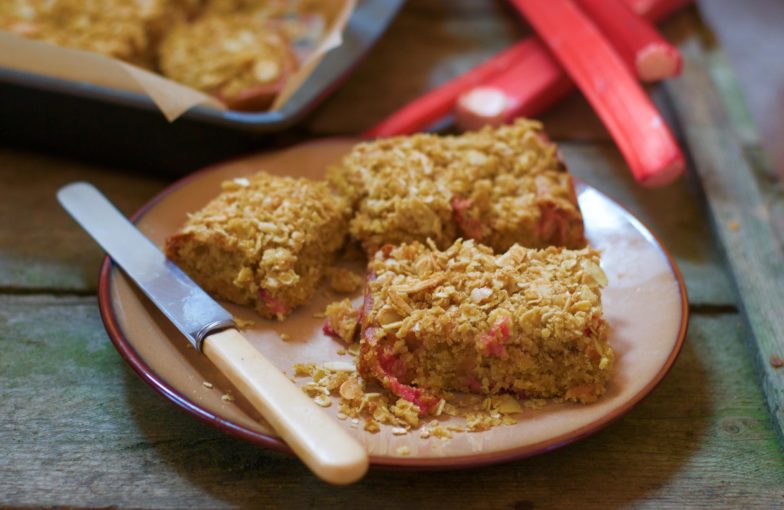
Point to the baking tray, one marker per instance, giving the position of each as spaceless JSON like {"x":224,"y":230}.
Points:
{"x":125,"y":129}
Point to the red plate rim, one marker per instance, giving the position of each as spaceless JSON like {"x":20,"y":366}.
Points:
{"x":132,"y":358}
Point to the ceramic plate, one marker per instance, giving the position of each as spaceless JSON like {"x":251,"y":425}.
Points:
{"x":645,"y":304}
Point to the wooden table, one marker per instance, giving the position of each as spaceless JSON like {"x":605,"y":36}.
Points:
{"x":79,"y":428}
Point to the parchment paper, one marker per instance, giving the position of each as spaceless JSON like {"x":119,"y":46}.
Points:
{"x":173,"y":99}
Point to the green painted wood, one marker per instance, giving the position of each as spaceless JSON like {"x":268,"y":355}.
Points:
{"x":771,"y":185}
{"x":740,"y":216}
{"x":78,"y":428}
{"x":732,"y":97}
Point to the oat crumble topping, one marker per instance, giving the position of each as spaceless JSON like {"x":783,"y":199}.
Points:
{"x":527,"y":322}
{"x":125,"y":29}
{"x":244,"y":323}
{"x":264,"y":241}
{"x":342,"y":321}
{"x":233,"y":56}
{"x":499,"y":186}
{"x":241,"y":51}
{"x":373,"y":406}
{"x":449,"y":327}
{"x":344,"y":280}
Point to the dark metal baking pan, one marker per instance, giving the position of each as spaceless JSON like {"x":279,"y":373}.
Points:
{"x":121,"y":128}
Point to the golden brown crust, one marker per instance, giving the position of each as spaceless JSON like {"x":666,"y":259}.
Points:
{"x":242,"y":60}
{"x":526,"y":321}
{"x":341,"y":321}
{"x":264,"y":241}
{"x":499,"y":186}
{"x":125,"y":29}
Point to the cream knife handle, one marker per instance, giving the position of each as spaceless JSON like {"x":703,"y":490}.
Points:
{"x":327,"y":449}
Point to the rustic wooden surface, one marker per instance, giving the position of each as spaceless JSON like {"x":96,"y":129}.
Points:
{"x":754,"y":253}
{"x":751,"y":37}
{"x":79,"y":428}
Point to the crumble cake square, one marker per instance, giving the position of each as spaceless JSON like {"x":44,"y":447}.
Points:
{"x":527,"y":322}
{"x":264,"y":241}
{"x":498,"y":186}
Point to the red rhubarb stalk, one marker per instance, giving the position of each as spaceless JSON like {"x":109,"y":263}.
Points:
{"x":424,"y":111}
{"x":635,"y":39}
{"x":615,"y":95}
{"x":535,"y":82}
{"x":427,"y":109}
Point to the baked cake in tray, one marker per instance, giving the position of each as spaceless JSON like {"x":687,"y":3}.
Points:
{"x":242,"y":59}
{"x":498,"y":186}
{"x":125,"y":29}
{"x":264,"y":241}
{"x":527,"y":322}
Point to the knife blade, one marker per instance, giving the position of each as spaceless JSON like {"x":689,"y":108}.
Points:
{"x":185,"y":304}
{"x":327,"y":449}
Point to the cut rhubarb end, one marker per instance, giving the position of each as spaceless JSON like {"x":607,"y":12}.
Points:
{"x":389,"y":369}
{"x":493,"y":343}
{"x":429,"y":108}
{"x":666,"y":175}
{"x":482,"y":106}
{"x":634,"y":38}
{"x":615,"y":95}
{"x":537,"y":81}
{"x":439,"y":102}
{"x":658,"y":62}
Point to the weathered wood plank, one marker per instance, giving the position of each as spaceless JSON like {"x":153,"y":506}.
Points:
{"x":751,"y":37}
{"x":732,"y":98}
{"x":739,"y":216}
{"x":40,"y":246}
{"x":78,"y":428}
{"x":772,"y":187}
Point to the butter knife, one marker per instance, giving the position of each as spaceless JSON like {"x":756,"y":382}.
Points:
{"x":327,"y":449}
